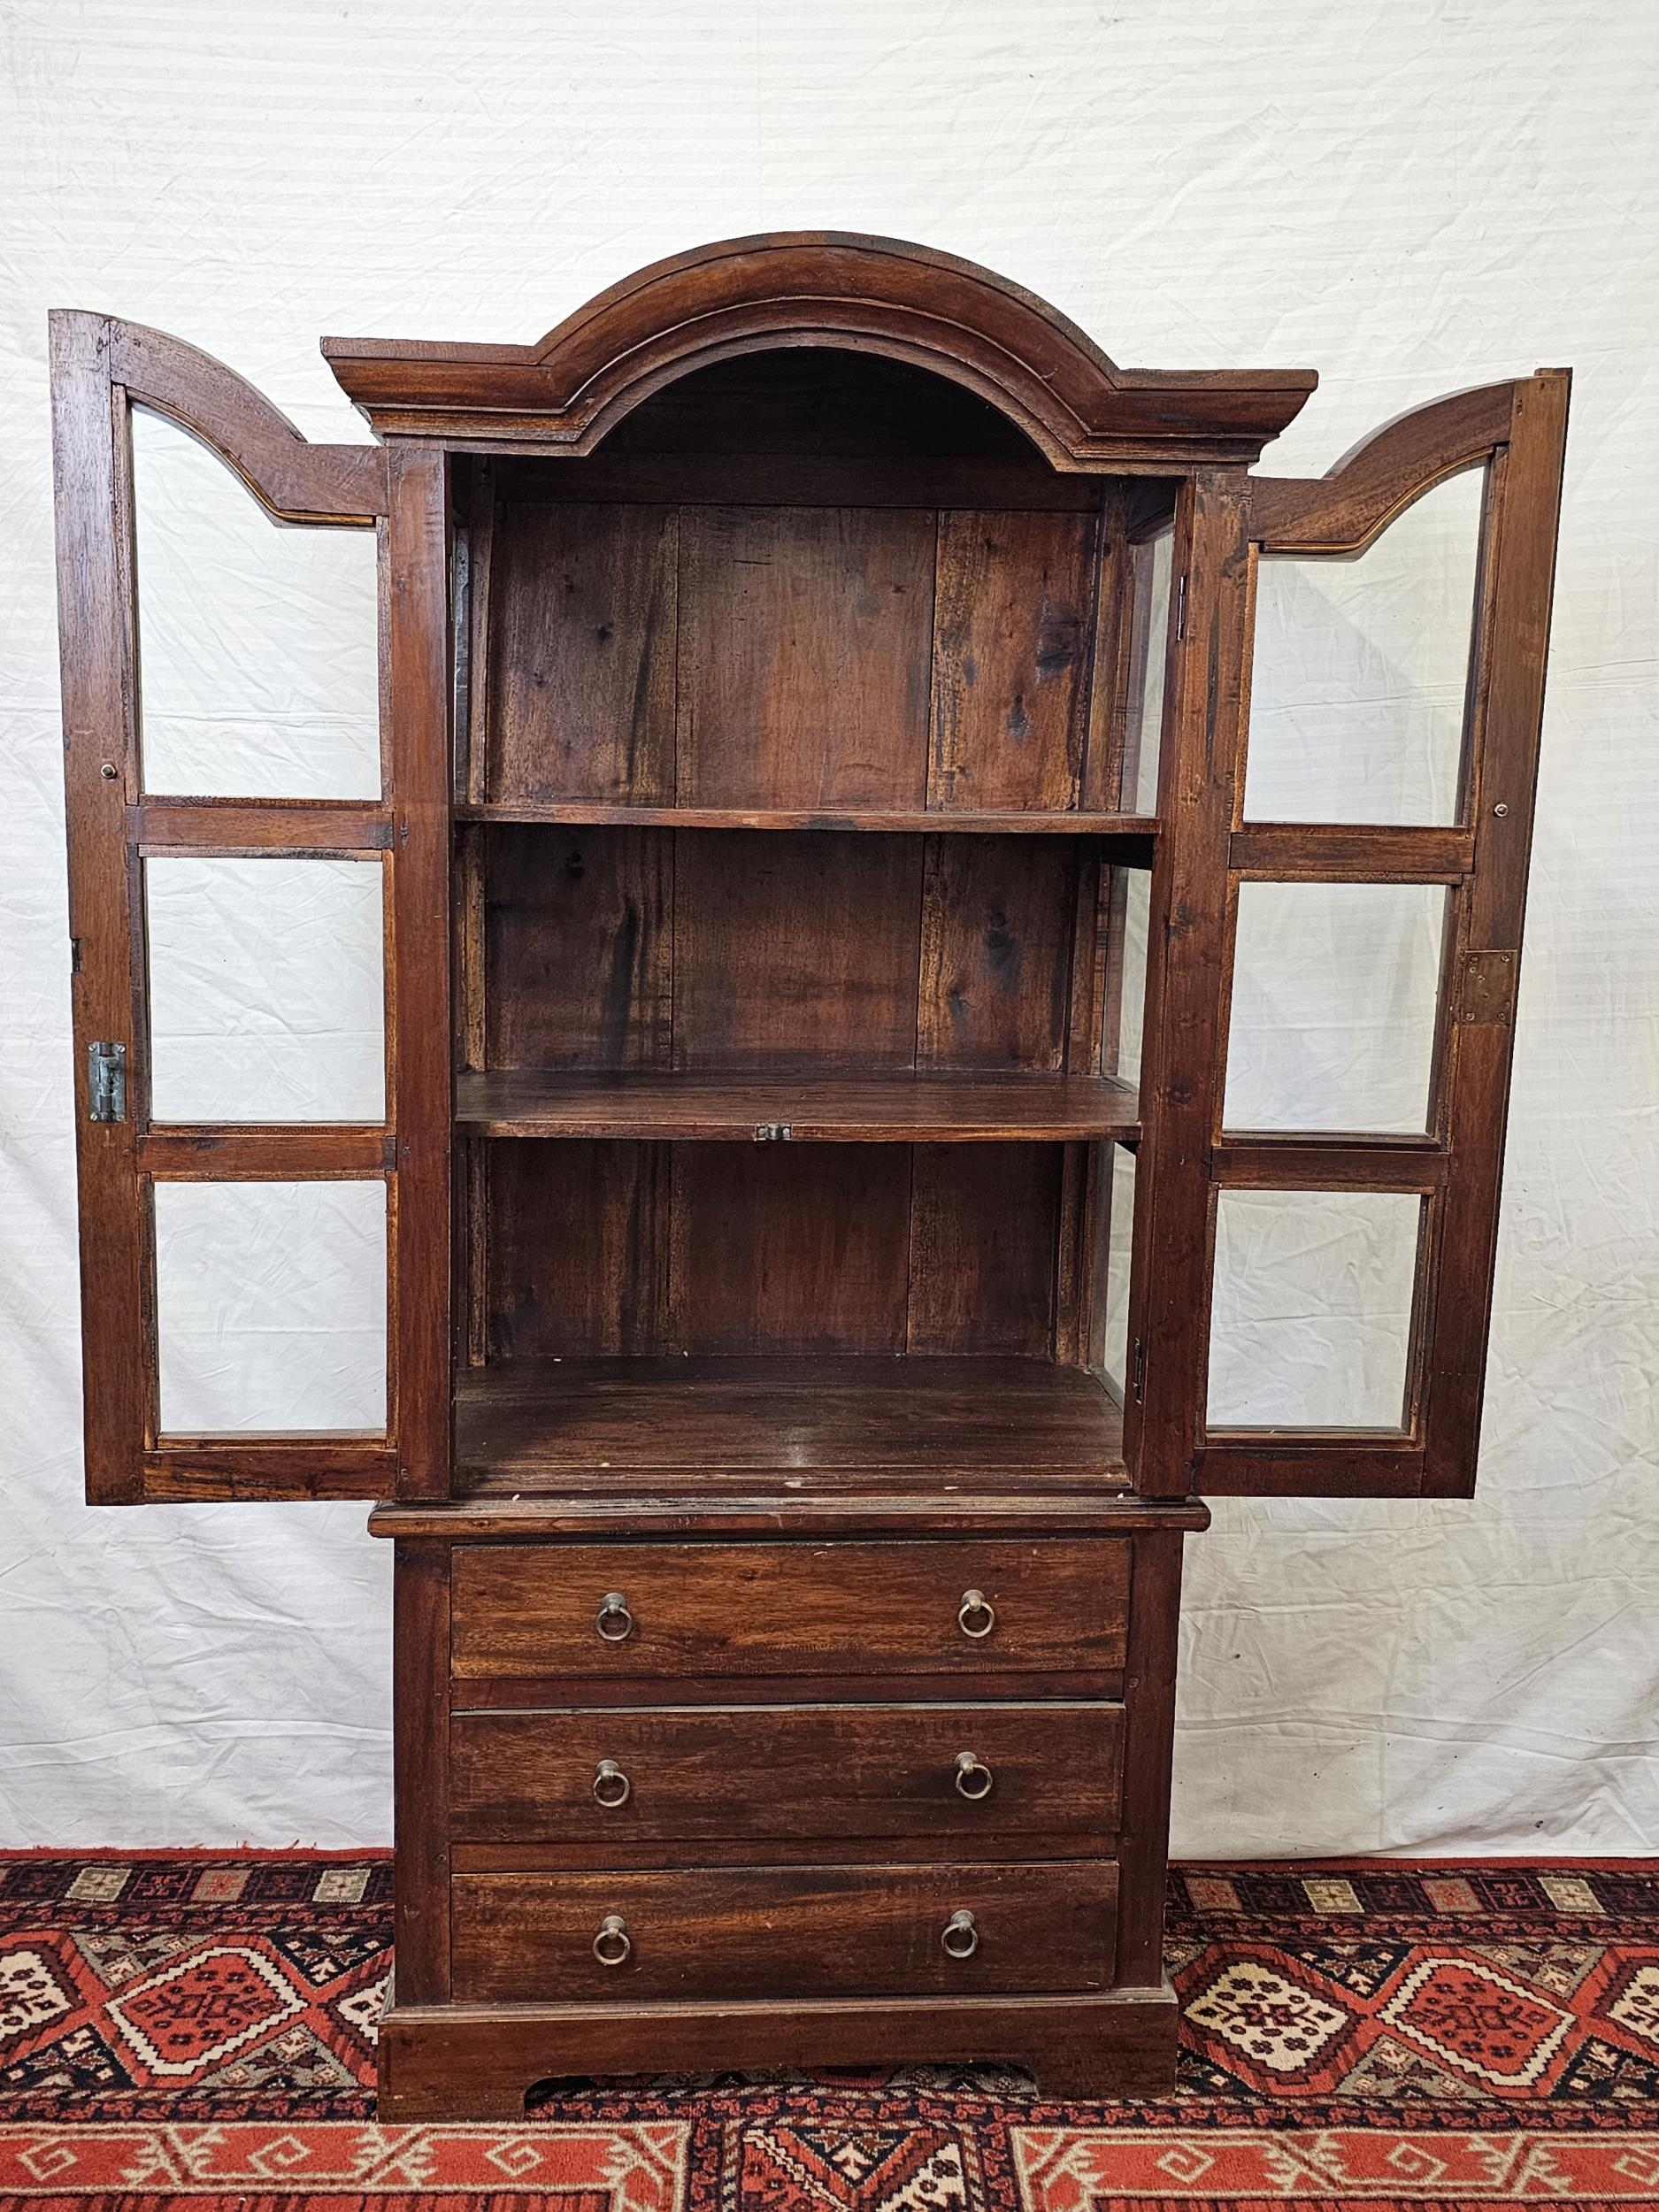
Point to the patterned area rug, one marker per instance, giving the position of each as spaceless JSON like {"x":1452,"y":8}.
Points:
{"x":200,"y":2032}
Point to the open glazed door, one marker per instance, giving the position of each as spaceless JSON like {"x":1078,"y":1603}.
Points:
{"x":1348,"y":831}
{"x":253,"y":859}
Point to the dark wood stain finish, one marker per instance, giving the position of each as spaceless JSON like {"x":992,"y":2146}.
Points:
{"x":762,"y":655}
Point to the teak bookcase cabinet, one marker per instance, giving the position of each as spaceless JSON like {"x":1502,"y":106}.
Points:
{"x":815,"y":692}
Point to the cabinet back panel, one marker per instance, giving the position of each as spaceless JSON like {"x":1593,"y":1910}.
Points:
{"x":1013,"y":616}
{"x":803,"y":657}
{"x":812,"y":951}
{"x":578,"y":948}
{"x":726,"y":1250}
{"x":581,"y":679}
{"x":804,"y":642}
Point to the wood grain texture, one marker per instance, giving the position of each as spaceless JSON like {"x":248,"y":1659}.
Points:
{"x":984,"y":1221}
{"x":525,"y":1426}
{"x":577,"y":949}
{"x":998,"y":923}
{"x":1517,"y":588}
{"x":576,"y":1250}
{"x":1012,"y":612}
{"x":896,"y":1108}
{"x":824,"y":1930}
{"x":92,"y":465}
{"x":418,"y":953}
{"x":476,"y":2062}
{"x":789,"y":1250}
{"x":1131,"y":833}
{"x":872,"y":295}
{"x":826,"y":1773}
{"x":582,"y":678}
{"x":231,"y":827}
{"x":788,"y":1609}
{"x":804,"y":644}
{"x":800,"y":955}
{"x":295,"y":480}
{"x":421,"y":1768}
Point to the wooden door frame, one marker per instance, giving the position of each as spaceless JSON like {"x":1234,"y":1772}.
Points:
{"x":101,"y":368}
{"x":1227,"y":520}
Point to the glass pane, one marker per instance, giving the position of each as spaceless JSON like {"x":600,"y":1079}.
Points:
{"x":1149,"y":569}
{"x":258,"y":644}
{"x":1361,"y":668}
{"x":271,"y":1307}
{"x":1310,"y":1321}
{"x":266,"y":990}
{"x":1114,"y":1350}
{"x":1125,"y":1019}
{"x":1334,"y":988}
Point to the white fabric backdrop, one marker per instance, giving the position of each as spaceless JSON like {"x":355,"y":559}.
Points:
{"x":1410,"y":199}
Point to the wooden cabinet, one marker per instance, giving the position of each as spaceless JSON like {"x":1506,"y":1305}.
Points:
{"x":861,"y":777}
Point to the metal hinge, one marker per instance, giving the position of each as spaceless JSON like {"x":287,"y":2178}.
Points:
{"x":106,"y":1082}
{"x":772,"y":1133}
{"x":1180,"y":608}
{"x":1138,"y":1375}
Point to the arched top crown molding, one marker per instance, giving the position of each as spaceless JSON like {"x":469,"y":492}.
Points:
{"x":823,"y":288}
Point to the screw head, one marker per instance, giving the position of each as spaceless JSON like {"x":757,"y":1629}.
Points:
{"x":109,"y":771}
{"x":1500,"y":808}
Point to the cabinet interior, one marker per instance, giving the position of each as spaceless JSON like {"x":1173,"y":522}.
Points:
{"x":798,"y":747}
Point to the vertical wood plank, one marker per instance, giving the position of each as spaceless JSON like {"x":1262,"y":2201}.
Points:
{"x":578,"y":941}
{"x":998,"y":917}
{"x":578,"y":1249}
{"x":804,"y":645}
{"x":1522,"y":568}
{"x":419,"y":965}
{"x":1013,"y":601}
{"x":1143,"y":1839}
{"x":1181,"y":1082}
{"x":786,"y":1248}
{"x":92,"y":473}
{"x":420,"y":1769}
{"x":582,"y":682}
{"x":984,"y":1222}
{"x":798,"y":950}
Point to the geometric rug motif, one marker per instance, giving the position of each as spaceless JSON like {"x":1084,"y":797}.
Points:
{"x":198,"y":2032}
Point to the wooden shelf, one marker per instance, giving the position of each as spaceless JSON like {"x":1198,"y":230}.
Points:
{"x":819,"y":1109}
{"x":1006,"y":822}
{"x":594,"y":1426}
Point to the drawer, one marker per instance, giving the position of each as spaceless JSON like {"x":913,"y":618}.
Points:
{"x":621,"y":1610}
{"x":782,"y":1932}
{"x":829,"y":1771}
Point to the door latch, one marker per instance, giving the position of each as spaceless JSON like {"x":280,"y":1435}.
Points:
{"x":106,"y":1081}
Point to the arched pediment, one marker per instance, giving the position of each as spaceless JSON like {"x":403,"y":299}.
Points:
{"x":806,"y":288}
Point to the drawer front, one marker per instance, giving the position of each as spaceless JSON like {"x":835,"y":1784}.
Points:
{"x":783,"y":1932}
{"x":621,"y":1610}
{"x":819,"y":1771}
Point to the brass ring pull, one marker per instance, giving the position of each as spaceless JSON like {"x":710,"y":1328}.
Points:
{"x":614,"y":1623}
{"x":974,"y":1778}
{"x":611,"y":1787}
{"x":612,"y":1944}
{"x":961,"y":1938}
{"x":976,"y":1616}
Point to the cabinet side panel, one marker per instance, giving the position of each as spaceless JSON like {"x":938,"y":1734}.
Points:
{"x":804,"y":645}
{"x":582,"y":682}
